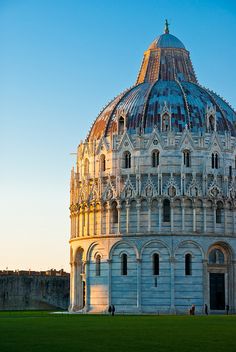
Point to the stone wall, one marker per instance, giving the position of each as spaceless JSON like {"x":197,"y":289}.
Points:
{"x":34,"y":290}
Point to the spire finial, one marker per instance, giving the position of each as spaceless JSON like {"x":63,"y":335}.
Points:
{"x":166,"y":30}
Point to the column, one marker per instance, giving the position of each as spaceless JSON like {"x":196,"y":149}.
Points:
{"x":205,"y":283}
{"x":225,"y":219}
{"x":214,"y":217}
{"x":160,"y":214}
{"x":233,"y":303}
{"x":109,"y":262}
{"x":204,"y":217}
{"x":127,"y":216}
{"x":139,"y":293}
{"x":71,"y":286}
{"x":87,"y":288}
{"x":183,"y":215}
{"x":87,"y":222}
{"x":138,"y":206}
{"x":101,"y":215}
{"x":161,"y":184}
{"x":204,"y":185}
{"x":233,"y":210}
{"x":94,"y":219}
{"x":149,"y":215}
{"x":77,"y":224}
{"x":83,"y":220}
{"x":171,"y":216}
{"x":172,"y":284}
{"x":71,"y":227}
{"x":119,"y":216}
{"x":227,"y":289}
{"x":109,"y":219}
{"x":184,"y":185}
{"x":194,"y":218}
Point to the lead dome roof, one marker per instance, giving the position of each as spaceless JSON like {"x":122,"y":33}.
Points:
{"x":166,"y":80}
{"x":167,"y":40}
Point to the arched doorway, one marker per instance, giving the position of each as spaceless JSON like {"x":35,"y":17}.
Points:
{"x":220,"y":277}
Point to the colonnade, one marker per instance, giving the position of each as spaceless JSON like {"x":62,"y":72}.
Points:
{"x":98,"y":218}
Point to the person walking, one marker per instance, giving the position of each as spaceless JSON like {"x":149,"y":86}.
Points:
{"x":193,"y":309}
{"x":206,"y":309}
{"x":109,"y":309}
{"x":113,"y":310}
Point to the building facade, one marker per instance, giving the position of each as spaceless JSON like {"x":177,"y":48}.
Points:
{"x":152,"y":205}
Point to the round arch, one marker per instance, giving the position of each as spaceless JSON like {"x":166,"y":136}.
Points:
{"x":154,"y":242}
{"x":76,"y":252}
{"x":182,"y":243}
{"x":131,"y":244}
{"x":226,"y":247}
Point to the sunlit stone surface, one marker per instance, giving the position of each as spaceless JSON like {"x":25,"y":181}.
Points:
{"x":153,"y":195}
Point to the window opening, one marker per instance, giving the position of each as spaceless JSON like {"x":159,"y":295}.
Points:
{"x":188,"y":264}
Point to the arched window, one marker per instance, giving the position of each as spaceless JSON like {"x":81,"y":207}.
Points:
{"x":86,"y":167}
{"x":155,"y":158}
{"x":121,"y":125}
{"x":155,"y":264}
{"x":187,"y":158}
{"x":230,"y":171}
{"x":114,"y":213}
{"x":124,"y":261}
{"x":165,"y":123}
{"x":166,"y":210}
{"x":214,"y":161}
{"x":98,"y":265}
{"x":127,"y":160}
{"x":216,"y":256}
{"x":219,"y":213}
{"x":102,"y":163}
{"x":188,"y":264}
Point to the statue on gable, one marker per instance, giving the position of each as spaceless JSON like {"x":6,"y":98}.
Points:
{"x":149,"y":191}
{"x":128,"y":192}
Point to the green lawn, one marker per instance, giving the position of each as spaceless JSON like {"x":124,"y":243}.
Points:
{"x":42,"y":331}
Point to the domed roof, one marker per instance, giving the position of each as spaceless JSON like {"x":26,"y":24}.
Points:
{"x":143,"y":105}
{"x":166,"y":81}
{"x":166,"y":41}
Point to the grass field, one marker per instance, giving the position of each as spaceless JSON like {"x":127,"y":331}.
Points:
{"x":42,"y":331}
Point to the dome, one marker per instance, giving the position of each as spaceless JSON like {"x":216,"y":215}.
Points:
{"x":166,"y":80}
{"x":167,"y":41}
{"x":143,"y":105}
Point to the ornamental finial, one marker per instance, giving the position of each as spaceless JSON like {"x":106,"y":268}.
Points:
{"x":166,"y":30}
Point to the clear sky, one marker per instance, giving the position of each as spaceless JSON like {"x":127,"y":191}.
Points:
{"x":61,"y":61}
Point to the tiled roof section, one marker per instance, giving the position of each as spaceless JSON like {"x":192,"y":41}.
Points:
{"x":142,"y":106}
{"x":227,"y":110}
{"x":99,"y":126}
{"x":169,"y":93}
{"x":131,"y":107}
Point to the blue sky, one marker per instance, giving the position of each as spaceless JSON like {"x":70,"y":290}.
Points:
{"x":61,"y":61}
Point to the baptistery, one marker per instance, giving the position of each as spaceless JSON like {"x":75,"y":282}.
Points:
{"x":152,"y":196}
